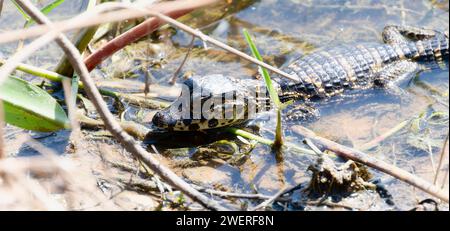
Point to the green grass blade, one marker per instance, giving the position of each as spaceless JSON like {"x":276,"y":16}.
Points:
{"x":272,"y":91}
{"x":45,"y":10}
{"x":25,"y":15}
{"x":81,"y":40}
{"x":248,"y":135}
{"x":48,"y":8}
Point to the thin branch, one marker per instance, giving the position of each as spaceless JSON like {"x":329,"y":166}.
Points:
{"x":331,"y":204}
{"x":262,"y":140}
{"x":236,"y":195}
{"x":430,"y":155}
{"x":376,"y":141}
{"x":219,"y":44}
{"x":2,"y":125}
{"x":445,"y":180}
{"x":38,"y":192}
{"x":51,"y":33}
{"x":172,"y":9}
{"x":55,"y":77}
{"x":47,"y":165}
{"x":86,"y":19}
{"x":11,"y":64}
{"x":270,"y":200}
{"x":75,"y":133}
{"x":402,"y":12}
{"x":1,"y":7}
{"x":441,"y":159}
{"x":127,"y":141}
{"x":313,"y":147}
{"x":358,"y":156}
{"x":175,"y":74}
{"x":90,"y":20}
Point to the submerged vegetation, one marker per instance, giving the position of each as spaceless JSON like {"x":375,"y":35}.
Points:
{"x":86,"y":102}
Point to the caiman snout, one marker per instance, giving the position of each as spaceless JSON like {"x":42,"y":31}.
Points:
{"x":163,"y":120}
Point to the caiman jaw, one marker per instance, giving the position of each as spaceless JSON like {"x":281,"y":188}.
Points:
{"x":163,"y":121}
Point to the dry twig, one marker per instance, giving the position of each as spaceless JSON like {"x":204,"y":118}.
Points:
{"x":75,"y":133}
{"x":1,"y":7}
{"x":441,"y":159}
{"x":236,"y":195}
{"x":95,"y":18}
{"x":2,"y":125}
{"x":127,"y":141}
{"x":270,"y":200}
{"x":363,"y":158}
{"x":175,"y":74}
{"x":173,"y":9}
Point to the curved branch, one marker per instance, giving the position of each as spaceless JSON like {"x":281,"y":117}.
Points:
{"x":173,"y":9}
{"x":92,"y":18}
{"x":363,"y":158}
{"x":127,"y":141}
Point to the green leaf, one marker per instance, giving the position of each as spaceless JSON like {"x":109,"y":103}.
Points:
{"x":48,"y":8}
{"x":29,"y":107}
{"x":45,"y":10}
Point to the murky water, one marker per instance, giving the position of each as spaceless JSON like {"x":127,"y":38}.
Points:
{"x":285,"y":30}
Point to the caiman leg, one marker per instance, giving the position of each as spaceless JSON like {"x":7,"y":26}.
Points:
{"x":394,"y":34}
{"x":395,"y":74}
{"x":303,"y":111}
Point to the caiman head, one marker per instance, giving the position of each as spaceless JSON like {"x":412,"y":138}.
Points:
{"x":213,"y":101}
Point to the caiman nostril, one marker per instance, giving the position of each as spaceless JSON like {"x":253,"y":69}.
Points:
{"x":158,"y":119}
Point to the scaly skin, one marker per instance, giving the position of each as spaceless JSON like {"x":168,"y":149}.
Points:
{"x":324,"y":73}
{"x":330,"y":72}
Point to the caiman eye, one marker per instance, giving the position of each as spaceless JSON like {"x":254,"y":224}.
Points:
{"x":213,"y":123}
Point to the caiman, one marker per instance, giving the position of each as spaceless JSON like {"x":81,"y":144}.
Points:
{"x":325,"y":73}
